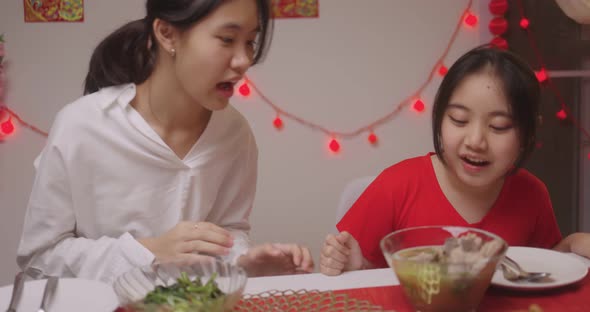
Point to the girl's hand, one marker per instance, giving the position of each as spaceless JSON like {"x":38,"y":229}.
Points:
{"x":341,"y":252}
{"x":183,"y":243}
{"x":276,"y":259}
{"x":580,"y":244}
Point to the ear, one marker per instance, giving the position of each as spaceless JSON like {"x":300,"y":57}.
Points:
{"x":166,"y":35}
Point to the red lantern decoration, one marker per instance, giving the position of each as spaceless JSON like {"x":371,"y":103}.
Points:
{"x":498,"y":26}
{"x":334,"y":145}
{"x":524,"y":23}
{"x":498,"y":7}
{"x":500,"y":43}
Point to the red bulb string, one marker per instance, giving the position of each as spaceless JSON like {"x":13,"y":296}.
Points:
{"x":549,"y":81}
{"x":382,"y":120}
{"x":21,"y":122}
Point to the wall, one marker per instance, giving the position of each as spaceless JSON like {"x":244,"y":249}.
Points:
{"x":343,"y":70}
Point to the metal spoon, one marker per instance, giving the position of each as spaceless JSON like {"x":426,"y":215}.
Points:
{"x":512,"y":271}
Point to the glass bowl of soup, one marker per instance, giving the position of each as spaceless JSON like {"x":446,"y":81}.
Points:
{"x":443,"y":268}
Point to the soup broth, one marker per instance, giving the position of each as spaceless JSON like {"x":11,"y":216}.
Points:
{"x":453,"y":277}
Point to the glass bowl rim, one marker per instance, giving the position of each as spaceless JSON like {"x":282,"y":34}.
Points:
{"x":444,"y":227}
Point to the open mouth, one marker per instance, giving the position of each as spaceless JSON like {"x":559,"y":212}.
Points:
{"x":225,"y":86}
{"x":475,"y":162}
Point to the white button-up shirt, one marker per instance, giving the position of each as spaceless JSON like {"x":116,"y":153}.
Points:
{"x":105,"y":177}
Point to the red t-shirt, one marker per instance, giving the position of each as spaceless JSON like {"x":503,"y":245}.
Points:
{"x":407,"y":194}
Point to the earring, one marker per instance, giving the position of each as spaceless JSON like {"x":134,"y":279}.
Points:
{"x":173,"y":52}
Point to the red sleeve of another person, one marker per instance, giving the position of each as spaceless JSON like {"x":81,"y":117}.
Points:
{"x":370,"y":218}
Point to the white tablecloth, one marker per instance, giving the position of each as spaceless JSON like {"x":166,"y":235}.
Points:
{"x":321,"y":282}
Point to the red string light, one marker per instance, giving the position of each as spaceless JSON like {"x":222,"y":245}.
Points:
{"x":436,"y":70}
{"x":466,"y":18}
{"x":562,"y":113}
{"x":21,"y":122}
{"x":372,"y":138}
{"x":244,"y":89}
{"x":7,"y":127}
{"x":278,"y":123}
{"x":541,"y":75}
{"x":419,"y":106}
{"x":471,"y":19}
{"x":334,"y":145}
{"x":497,"y":7}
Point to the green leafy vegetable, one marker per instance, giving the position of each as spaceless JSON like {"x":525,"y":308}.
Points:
{"x":184,"y":296}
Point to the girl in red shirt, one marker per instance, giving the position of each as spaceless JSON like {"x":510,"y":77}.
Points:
{"x":484,"y":119}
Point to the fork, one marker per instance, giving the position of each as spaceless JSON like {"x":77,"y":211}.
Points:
{"x":17,"y":290}
{"x":48,"y":293}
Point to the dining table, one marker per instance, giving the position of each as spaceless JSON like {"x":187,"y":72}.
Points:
{"x":377,"y":289}
{"x":382,"y":289}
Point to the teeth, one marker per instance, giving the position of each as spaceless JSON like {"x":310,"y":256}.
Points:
{"x":476,"y":162}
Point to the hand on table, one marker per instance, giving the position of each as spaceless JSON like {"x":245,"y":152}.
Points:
{"x":276,"y":259}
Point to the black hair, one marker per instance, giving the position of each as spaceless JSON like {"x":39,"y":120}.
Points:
{"x":126,"y":55}
{"x":520,"y":87}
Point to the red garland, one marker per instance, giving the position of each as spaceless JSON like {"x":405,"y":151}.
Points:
{"x":498,"y":25}
{"x":498,"y":7}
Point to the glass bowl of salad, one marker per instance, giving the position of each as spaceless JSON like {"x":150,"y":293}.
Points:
{"x":209,"y":284}
{"x":443,"y":268}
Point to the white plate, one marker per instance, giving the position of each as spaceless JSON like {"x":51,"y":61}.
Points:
{"x":564,"y":268}
{"x":72,"y":295}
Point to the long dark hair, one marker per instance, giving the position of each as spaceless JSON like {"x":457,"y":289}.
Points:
{"x":520,"y":85}
{"x":126,"y":56}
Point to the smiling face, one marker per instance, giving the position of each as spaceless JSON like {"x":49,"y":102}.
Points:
{"x":213,"y":55}
{"x":479,"y":137}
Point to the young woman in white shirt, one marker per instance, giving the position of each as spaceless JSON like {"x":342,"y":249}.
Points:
{"x":152,"y":164}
